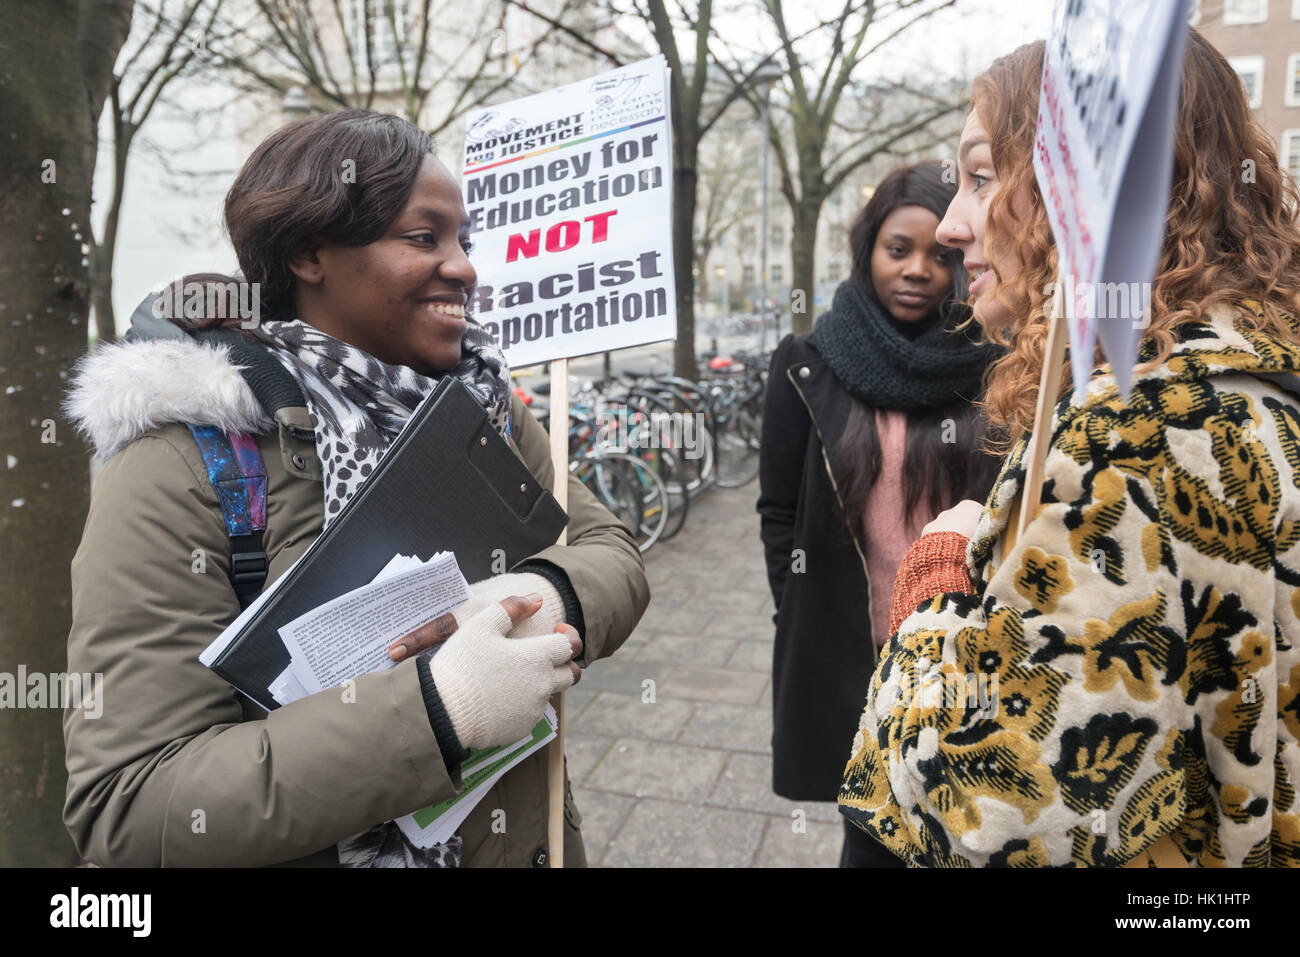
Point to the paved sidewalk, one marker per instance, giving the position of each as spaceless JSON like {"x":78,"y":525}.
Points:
{"x":669,"y":741}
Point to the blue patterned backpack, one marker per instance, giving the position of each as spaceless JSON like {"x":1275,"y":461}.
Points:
{"x":233,"y":461}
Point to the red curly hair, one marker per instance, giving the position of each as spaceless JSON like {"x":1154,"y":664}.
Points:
{"x":1227,"y":239}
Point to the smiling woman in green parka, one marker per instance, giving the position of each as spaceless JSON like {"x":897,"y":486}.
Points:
{"x":362,"y":288}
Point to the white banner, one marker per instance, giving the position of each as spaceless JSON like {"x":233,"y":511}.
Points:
{"x":1103,"y":158}
{"x":569,"y":194}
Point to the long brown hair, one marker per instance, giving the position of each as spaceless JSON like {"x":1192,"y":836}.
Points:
{"x":1229,"y":236}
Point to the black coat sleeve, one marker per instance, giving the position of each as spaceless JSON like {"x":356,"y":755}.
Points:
{"x":786,"y":426}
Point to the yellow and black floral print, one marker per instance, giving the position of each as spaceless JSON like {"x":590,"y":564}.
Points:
{"x":1131,"y":667}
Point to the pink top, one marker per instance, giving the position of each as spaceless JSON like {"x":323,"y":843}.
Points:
{"x":888,"y":535}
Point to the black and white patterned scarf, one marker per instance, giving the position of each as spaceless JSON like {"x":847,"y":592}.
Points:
{"x":358,"y":405}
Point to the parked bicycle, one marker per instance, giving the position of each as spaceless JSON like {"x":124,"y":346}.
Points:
{"x":646,"y":444}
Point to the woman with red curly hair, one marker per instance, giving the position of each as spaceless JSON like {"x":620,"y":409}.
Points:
{"x":1121,"y":684}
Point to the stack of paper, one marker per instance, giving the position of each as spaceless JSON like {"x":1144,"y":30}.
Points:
{"x":349,"y":637}
{"x":482,"y":769}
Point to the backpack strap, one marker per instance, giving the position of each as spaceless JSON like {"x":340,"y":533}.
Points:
{"x":238,"y":476}
{"x":272,"y":384}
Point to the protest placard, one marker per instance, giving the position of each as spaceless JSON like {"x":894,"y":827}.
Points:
{"x":569,"y":195}
{"x":1103,"y":158}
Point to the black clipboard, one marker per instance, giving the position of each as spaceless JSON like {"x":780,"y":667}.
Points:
{"x":449,"y":482}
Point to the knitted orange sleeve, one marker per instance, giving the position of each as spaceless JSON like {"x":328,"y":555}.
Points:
{"x":934,"y":565}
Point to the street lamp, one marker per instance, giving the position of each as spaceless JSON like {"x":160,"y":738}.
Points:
{"x":764,"y":77}
{"x":295,"y":105}
{"x":721,"y":273}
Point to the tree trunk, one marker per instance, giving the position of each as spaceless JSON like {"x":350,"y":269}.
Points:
{"x":101,"y":293}
{"x":702,"y":284}
{"x":803,"y":247}
{"x":685,"y":180}
{"x":103,"y":252}
{"x":58,"y":58}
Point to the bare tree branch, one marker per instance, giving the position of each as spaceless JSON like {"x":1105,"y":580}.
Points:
{"x":568,"y":31}
{"x":918,"y":124}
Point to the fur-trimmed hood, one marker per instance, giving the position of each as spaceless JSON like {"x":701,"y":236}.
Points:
{"x":124,"y":389}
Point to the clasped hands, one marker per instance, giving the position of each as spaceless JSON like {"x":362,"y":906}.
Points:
{"x":532,"y":603}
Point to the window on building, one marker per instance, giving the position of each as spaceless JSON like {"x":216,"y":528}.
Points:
{"x":1293,"y":80}
{"x":1244,"y":11}
{"x":1291,"y":154}
{"x":1251,"y":71}
{"x":778,"y":274}
{"x":382,"y":14}
{"x":778,"y":234}
{"x":747,"y":234}
{"x":833,"y":271}
{"x":749,"y":277}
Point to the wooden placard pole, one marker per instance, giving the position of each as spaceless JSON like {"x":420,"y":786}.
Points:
{"x":560,"y":489}
{"x":1049,"y":389}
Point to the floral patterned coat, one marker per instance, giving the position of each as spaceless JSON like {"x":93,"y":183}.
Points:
{"x":1128,"y":668}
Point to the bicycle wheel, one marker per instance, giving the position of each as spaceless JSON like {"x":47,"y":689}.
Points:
{"x":692,"y":399}
{"x":660,"y":426}
{"x":630,"y":489}
{"x":736,"y":461}
{"x":631,"y":430}
{"x":664,"y":464}
{"x":700,"y":461}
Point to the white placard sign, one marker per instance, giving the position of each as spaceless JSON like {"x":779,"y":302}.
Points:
{"x":1103,"y":158}
{"x":569,"y":195}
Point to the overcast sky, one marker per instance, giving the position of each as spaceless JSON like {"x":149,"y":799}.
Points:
{"x":965,"y":39}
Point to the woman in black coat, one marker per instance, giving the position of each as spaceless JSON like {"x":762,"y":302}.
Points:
{"x":869,"y":431}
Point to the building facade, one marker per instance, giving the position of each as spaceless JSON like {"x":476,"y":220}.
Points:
{"x":1261,"y":39}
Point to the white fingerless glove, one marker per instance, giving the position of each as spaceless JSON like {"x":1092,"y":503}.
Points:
{"x":490,"y":591}
{"x":495,"y":688}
